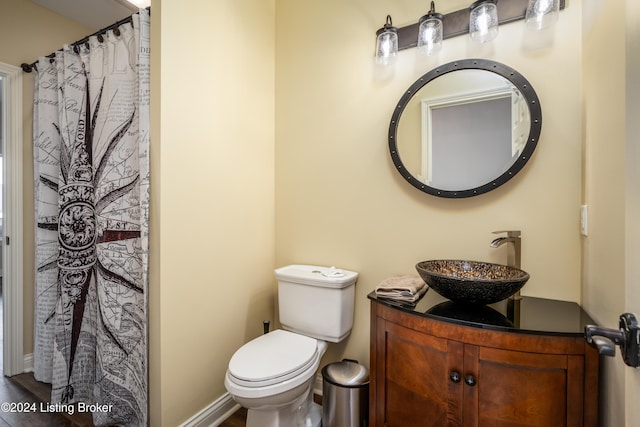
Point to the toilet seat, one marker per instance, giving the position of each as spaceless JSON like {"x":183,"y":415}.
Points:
{"x":273,"y":358}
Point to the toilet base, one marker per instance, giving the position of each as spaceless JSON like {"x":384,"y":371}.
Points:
{"x":314,"y":418}
{"x":303,"y":413}
{"x":257,"y":418}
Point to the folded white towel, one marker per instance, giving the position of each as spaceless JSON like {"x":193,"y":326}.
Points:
{"x":402,"y":288}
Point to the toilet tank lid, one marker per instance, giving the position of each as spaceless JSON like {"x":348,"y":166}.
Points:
{"x":315,"y":275}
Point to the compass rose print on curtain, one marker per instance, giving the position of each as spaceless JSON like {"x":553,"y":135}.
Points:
{"x":91,"y":161}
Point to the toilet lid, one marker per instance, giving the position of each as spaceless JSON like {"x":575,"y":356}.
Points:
{"x":273,"y":357}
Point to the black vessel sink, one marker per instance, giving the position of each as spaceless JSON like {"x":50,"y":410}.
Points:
{"x":472,"y":282}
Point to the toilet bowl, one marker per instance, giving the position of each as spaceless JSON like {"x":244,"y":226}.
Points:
{"x":272,"y":375}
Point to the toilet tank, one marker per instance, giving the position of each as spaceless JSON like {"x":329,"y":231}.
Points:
{"x":316,"y":301}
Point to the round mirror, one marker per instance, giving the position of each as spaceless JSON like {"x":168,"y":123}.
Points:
{"x":465,"y":128}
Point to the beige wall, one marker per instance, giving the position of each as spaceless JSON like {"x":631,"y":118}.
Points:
{"x":339,"y":200}
{"x":28,"y":31}
{"x":213,"y":173}
{"x":604,"y":112}
{"x":632,"y":204}
{"x":612,"y":171}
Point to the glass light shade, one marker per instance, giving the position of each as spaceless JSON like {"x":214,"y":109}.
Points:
{"x":430,"y":34}
{"x":483,"y":21}
{"x":386,"y":43}
{"x":542,"y":13}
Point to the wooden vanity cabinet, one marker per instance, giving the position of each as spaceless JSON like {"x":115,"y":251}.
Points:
{"x":427,"y":372}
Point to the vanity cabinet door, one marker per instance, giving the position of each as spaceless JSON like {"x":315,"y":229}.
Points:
{"x":515,"y":388}
{"x":421,"y":379}
{"x":426,"y":372}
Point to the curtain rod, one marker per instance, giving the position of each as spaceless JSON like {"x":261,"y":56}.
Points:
{"x":27,"y":68}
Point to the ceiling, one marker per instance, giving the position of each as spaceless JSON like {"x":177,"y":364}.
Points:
{"x":95,"y":14}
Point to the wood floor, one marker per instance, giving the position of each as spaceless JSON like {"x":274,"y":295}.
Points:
{"x":24,"y":389}
{"x":238,"y":419}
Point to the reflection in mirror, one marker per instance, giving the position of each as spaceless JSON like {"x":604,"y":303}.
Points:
{"x":460,"y":129}
{"x":463,"y":133}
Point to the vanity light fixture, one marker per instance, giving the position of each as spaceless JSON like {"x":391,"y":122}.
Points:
{"x":386,"y":43}
{"x":480,"y":20}
{"x":483,"y":21}
{"x":542,"y":13}
{"x":430,"y":32}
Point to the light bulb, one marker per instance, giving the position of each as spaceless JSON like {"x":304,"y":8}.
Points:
{"x":430,"y":32}
{"x":386,"y":43}
{"x":483,"y":21}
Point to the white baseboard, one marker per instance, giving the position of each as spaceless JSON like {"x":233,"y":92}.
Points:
{"x":214,"y":414}
{"x":28,"y":363}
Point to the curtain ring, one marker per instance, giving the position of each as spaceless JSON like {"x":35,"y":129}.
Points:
{"x":116,"y":31}
{"x":100,"y":38}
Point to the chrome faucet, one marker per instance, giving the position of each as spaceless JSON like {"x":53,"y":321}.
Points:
{"x":514,"y":251}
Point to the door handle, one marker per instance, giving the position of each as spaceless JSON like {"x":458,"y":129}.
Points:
{"x":627,"y":337}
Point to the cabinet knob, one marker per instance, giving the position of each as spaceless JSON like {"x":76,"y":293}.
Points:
{"x":470,"y":380}
{"x":455,"y":377}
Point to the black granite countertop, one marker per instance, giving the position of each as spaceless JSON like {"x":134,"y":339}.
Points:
{"x":529,"y":315}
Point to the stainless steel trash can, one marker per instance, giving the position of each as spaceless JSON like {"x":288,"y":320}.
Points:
{"x":345,"y":394}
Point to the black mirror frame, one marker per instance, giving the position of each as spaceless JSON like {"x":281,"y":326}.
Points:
{"x":508,"y":73}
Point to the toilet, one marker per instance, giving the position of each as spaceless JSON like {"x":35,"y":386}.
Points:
{"x":273,"y":375}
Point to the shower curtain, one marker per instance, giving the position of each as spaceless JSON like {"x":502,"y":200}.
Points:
{"x":91,"y":164}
